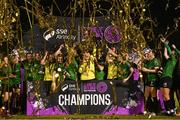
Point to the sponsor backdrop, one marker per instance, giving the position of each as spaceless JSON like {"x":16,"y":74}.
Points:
{"x":86,"y":97}
{"x":70,"y":29}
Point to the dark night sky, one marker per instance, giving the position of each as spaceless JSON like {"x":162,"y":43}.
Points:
{"x":163,"y":17}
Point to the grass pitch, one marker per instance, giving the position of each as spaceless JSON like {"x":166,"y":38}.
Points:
{"x":91,"y":116}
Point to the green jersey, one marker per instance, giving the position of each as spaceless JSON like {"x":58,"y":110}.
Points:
{"x":72,"y":70}
{"x":169,"y":67}
{"x":38,"y":71}
{"x":17,"y":72}
{"x":60,"y":70}
{"x":28,"y":68}
{"x":5,"y":72}
{"x":170,"y":63}
{"x":100,"y":74}
{"x":151,"y":64}
{"x":123,"y":70}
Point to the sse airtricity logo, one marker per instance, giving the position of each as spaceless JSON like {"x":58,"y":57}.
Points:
{"x":64,"y":87}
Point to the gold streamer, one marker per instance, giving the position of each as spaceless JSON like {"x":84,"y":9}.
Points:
{"x":130,"y":16}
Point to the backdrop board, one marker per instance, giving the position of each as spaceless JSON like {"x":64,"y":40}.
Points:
{"x":85,"y":97}
{"x":66,"y":28}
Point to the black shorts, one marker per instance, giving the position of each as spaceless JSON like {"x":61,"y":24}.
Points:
{"x":166,"y":82}
{"x":152,"y":83}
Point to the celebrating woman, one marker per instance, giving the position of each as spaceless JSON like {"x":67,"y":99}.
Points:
{"x":87,"y":67}
{"x":166,"y":79}
{"x":7,"y":82}
{"x":151,"y":67}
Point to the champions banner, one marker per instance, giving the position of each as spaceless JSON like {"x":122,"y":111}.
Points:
{"x":85,"y":97}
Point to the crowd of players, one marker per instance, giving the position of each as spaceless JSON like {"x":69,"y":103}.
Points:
{"x":68,"y":63}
